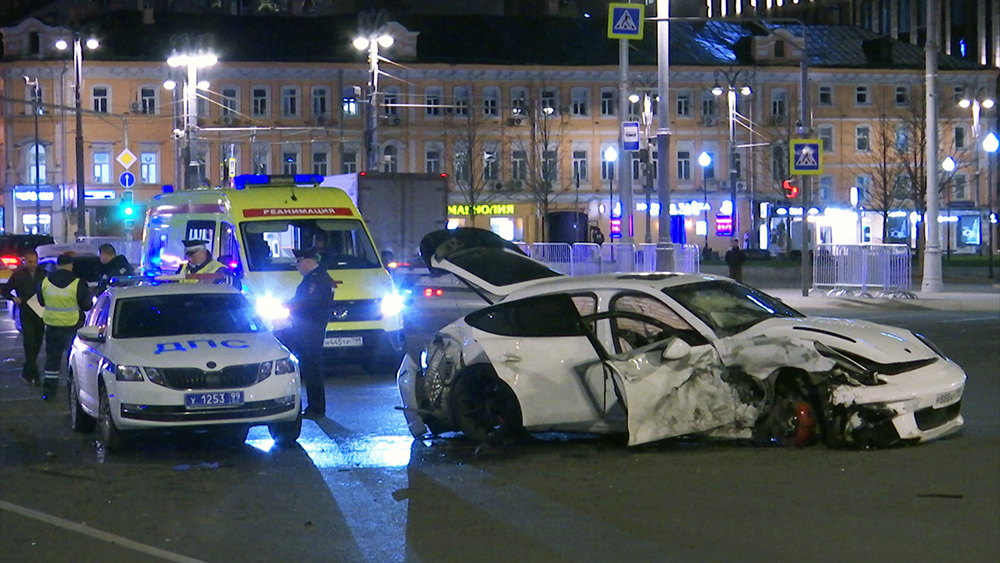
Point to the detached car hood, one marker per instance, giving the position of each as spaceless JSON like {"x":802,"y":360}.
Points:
{"x":482,"y":259}
{"x":197,"y":350}
{"x":879,"y":343}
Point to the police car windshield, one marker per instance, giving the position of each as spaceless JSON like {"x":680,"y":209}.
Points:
{"x":182,"y":314}
{"x":342,"y":244}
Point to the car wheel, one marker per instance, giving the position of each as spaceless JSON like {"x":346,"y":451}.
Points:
{"x":79,"y":420}
{"x":485,"y":408}
{"x":793,"y":419}
{"x":112,"y":438}
{"x":285,"y":433}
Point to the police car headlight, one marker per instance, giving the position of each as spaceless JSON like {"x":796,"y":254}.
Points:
{"x":128,"y":373}
{"x":283,"y":366}
{"x":265,"y":371}
{"x":392,"y":304}
{"x":156,"y":376}
{"x":271,"y":308}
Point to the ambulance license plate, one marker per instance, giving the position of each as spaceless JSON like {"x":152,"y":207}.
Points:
{"x":343,"y":342}
{"x":217,"y":399}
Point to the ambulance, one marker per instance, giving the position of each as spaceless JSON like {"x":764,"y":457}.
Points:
{"x":253,"y":227}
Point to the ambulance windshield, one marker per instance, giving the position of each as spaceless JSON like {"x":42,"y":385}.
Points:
{"x":342,"y":244}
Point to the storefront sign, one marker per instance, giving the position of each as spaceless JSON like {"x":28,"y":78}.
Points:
{"x":484,"y":209}
{"x":723,"y":225}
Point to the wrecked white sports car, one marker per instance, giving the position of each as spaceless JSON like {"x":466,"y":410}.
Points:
{"x":663,"y":355}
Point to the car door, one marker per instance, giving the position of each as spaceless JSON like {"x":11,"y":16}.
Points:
{"x":542,"y":349}
{"x":89,"y":356}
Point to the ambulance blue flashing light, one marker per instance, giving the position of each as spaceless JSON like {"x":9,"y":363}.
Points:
{"x":167,"y":189}
{"x":243,"y":180}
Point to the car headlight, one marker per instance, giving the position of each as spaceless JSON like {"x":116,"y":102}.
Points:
{"x":271,"y":308}
{"x":284,"y":365}
{"x":156,"y":376}
{"x":128,"y":373}
{"x":392,"y":304}
{"x":265,"y":371}
{"x":930,"y":344}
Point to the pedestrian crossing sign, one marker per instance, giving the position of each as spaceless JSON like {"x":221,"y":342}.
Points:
{"x":625,"y":21}
{"x":806,"y":157}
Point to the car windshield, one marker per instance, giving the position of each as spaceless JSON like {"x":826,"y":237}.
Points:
{"x":729,"y":308}
{"x":343,"y":244}
{"x":177,"y":314}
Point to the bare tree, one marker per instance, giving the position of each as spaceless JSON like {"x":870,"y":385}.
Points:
{"x":473,"y":138}
{"x":880,"y":144}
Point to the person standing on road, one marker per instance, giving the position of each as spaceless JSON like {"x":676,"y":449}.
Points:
{"x":20,"y":288}
{"x":114,"y":265}
{"x":735,"y":259}
{"x":65,"y":299}
{"x":308,"y":313}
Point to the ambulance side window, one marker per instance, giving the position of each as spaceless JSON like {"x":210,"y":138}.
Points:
{"x":201,"y":229}
{"x":229,"y":245}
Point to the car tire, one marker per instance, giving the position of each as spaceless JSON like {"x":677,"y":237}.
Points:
{"x":79,"y":420}
{"x":794,"y":399}
{"x":285,"y":433}
{"x":485,"y":408}
{"x":112,"y":438}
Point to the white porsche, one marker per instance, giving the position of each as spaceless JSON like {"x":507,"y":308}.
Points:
{"x":180,"y":355}
{"x":660,"y":355}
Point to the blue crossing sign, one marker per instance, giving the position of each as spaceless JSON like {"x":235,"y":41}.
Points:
{"x":806,"y":157}
{"x":625,"y":21}
{"x":127,"y":179}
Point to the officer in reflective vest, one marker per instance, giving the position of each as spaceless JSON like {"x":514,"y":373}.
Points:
{"x":65,"y":299}
{"x":200,"y":262}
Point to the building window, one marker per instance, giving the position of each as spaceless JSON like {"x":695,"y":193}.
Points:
{"x":390,"y":162}
{"x":102,"y":167}
{"x":684,"y":104}
{"x":862,"y":138}
{"x":902,"y":138}
{"x":550,"y":166}
{"x":349,"y":101}
{"x":779,"y":105}
{"x":607,"y":103}
{"x":779,"y":49}
{"x":320,"y":100}
{"x":461,"y":171}
{"x":259,"y":96}
{"x":826,"y":137}
{"x":607,"y":168}
{"x":261,"y":158}
{"x":683,"y":165}
{"x":579,"y":101}
{"x":549,"y":100}
{"x":709,"y":104}
{"x":863,"y":182}
{"x":825,"y":188}
{"x":432,"y":161}
{"x":826,"y":96}
{"x":958,"y":194}
{"x":902,"y":95}
{"x":320,"y":161}
{"x":519,"y":165}
{"x":289,"y":101}
{"x":491,"y":102}
{"x":518,"y":100}
{"x":102,"y":98}
{"x":708,"y":172}
{"x":580,"y":166}
{"x":390,"y":99}
{"x":147,"y":100}
{"x":147,"y":168}
{"x":289,"y":161}
{"x":491,"y":166}
{"x":433,"y":101}
{"x":861,"y":96}
{"x":36,"y":174}
{"x":462,"y":100}
{"x":957,"y":93}
{"x":348,"y":161}
{"x":779,"y":162}
{"x":960,"y":137}
{"x":230,"y":96}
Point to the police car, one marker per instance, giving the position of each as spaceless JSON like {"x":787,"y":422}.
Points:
{"x":190,"y":355}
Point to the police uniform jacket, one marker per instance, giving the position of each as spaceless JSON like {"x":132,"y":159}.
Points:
{"x":116,"y":267}
{"x":313,"y":300}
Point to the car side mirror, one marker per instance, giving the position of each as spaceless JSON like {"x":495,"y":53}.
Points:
{"x":676,"y":350}
{"x":90,"y":334}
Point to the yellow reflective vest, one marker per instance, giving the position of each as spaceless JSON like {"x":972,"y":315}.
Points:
{"x":61,"y":308}
{"x":211,"y":267}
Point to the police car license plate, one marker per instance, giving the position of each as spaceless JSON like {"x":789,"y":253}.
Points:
{"x":343,"y":342}
{"x":218,"y":399}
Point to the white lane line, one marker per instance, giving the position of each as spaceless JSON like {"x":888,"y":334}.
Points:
{"x":97,"y":534}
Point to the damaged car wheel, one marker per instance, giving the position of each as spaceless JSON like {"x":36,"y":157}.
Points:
{"x":793,"y":419}
{"x":485,"y":408}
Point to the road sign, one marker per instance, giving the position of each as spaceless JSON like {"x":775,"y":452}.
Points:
{"x":127,"y":179}
{"x":625,"y":21}
{"x":126,"y":158}
{"x":630,"y":135}
{"x":806,"y":157}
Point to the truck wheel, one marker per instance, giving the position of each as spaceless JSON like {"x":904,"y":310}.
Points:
{"x":79,"y":420}
{"x":285,"y":433}
{"x":485,"y":408}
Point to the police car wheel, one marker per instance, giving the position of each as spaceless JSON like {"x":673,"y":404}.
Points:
{"x":79,"y":420}
{"x":285,"y":433}
{"x":111,"y":436}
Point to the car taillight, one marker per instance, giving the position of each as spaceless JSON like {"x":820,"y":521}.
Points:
{"x":433,"y":292}
{"x":10,"y":261}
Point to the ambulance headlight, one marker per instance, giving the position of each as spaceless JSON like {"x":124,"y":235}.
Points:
{"x":156,"y":376}
{"x":392,"y":304}
{"x":284,"y":365}
{"x":271,"y":308}
{"x":128,"y":373}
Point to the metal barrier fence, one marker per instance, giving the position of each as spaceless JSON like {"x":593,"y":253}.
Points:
{"x":585,"y":258}
{"x":855,"y":269}
{"x":132,"y":249}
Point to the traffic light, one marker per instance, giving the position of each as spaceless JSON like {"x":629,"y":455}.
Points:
{"x":791,"y":192}
{"x":127,"y":206}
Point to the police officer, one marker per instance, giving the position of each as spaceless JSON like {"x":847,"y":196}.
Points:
{"x":200,"y":261}
{"x":20,"y":288}
{"x":308,"y":312}
{"x":65,"y":299}
{"x":113,"y":265}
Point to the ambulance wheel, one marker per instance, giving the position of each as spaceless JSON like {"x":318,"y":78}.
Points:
{"x":79,"y":420}
{"x":112,"y":438}
{"x":285,"y":433}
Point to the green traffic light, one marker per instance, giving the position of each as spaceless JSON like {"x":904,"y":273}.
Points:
{"x":129,"y":211}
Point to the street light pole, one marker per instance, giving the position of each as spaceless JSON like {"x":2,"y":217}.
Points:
{"x":610,"y":156}
{"x":990,"y":145}
{"x":732,"y":79}
{"x":704,"y":159}
{"x":374,"y":36}
{"x":191,"y":59}
{"x":81,"y":187}
{"x":33,"y":82}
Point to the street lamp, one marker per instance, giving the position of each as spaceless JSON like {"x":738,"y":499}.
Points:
{"x":990,"y":145}
{"x":191,"y":58}
{"x":704,"y":160}
{"x":977,"y":102}
{"x":373,"y":36}
{"x":610,"y":156}
{"x":81,"y":205}
{"x":35,"y":99}
{"x":731,"y":79}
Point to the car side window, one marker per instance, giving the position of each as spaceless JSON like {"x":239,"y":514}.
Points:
{"x":542,"y":316}
{"x":98,"y":316}
{"x":632,"y":333}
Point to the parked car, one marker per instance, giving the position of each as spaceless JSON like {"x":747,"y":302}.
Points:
{"x":86,"y":259}
{"x":169,"y":356}
{"x":13,"y":248}
{"x":660,"y":355}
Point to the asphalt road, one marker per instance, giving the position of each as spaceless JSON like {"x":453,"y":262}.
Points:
{"x":357,"y":487}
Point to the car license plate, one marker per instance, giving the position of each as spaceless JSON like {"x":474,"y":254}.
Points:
{"x":217,"y":399}
{"x":343,"y":342}
{"x":947,"y":397}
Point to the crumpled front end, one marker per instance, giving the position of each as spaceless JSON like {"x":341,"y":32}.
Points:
{"x":425,"y":386}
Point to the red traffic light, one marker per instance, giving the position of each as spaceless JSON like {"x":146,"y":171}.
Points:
{"x":790,"y":190}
